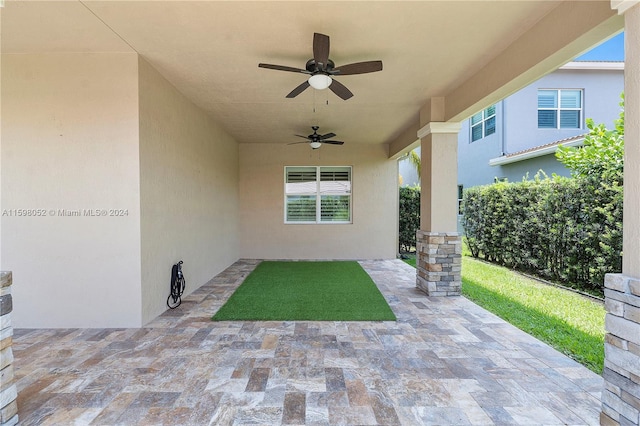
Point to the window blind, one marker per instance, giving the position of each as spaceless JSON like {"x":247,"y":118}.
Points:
{"x":559,"y":108}
{"x":317,"y":194}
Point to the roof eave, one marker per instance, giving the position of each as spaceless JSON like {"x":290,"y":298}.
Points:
{"x":499,"y":161}
{"x":594,"y":65}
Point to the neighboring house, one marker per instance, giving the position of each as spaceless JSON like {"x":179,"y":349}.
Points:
{"x":518,"y":136}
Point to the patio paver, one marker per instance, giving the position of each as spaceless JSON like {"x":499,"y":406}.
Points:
{"x":445,"y":361}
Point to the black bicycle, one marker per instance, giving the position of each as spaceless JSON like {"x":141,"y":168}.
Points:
{"x":178,"y":284}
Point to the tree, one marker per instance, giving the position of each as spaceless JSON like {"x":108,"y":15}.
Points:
{"x":602,"y":156}
{"x":414,"y":160}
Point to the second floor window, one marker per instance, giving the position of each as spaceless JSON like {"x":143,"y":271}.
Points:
{"x":560,"y":109}
{"x":483,"y":123}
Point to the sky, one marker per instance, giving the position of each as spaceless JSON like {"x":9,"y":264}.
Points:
{"x":610,"y":50}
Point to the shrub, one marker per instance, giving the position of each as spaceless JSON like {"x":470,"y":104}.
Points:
{"x":563,"y":229}
{"x":602,"y":156}
{"x":409,"y":217}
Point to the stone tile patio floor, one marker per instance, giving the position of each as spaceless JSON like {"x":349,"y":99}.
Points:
{"x":445,"y":361}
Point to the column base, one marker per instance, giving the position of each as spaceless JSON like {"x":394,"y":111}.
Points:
{"x":8,"y":389}
{"x":439,"y":263}
{"x":621,"y":393}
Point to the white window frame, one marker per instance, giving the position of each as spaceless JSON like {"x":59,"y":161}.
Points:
{"x":559,"y":108}
{"x":460,"y":198}
{"x":317,"y":193}
{"x":483,"y":123}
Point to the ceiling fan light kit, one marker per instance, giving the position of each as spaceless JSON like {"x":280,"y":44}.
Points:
{"x":320,"y":81}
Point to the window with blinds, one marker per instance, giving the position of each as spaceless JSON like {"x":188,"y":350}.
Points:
{"x":317,"y":194}
{"x":483,"y":123}
{"x":559,"y":109}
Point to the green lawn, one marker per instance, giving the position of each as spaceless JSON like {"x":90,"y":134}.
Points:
{"x":411,"y":261}
{"x":571,"y":323}
{"x":315,"y":291}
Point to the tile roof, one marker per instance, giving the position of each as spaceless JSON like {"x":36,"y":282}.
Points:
{"x":547,"y":145}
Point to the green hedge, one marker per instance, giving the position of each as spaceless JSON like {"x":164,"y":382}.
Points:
{"x":409,"y":217}
{"x":562,"y":229}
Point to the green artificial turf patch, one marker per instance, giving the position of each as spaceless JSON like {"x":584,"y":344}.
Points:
{"x":309,"y":291}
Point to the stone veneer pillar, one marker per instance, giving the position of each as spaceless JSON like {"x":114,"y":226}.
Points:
{"x":621,"y":394}
{"x":438,"y":244}
{"x":8,"y":391}
{"x":439,"y":263}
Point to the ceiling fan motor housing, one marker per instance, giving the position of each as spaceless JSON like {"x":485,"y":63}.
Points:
{"x":313,"y":67}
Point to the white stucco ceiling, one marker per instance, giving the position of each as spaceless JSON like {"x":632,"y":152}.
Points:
{"x":210,"y":51}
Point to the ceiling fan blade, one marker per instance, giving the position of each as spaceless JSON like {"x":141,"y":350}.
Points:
{"x":333,"y":142}
{"x":358,"y":68}
{"x":300,"y":136}
{"x":321,"y":49}
{"x":327,"y":136}
{"x":295,"y":92}
{"x":283,"y":68}
{"x":294,"y":143}
{"x":340,"y":90}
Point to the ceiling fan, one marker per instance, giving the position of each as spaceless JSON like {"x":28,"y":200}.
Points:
{"x":322,"y":70}
{"x":315,"y":140}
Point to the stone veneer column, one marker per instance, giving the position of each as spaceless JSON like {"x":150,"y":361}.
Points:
{"x":439,"y":263}
{"x":8,"y":391}
{"x":439,"y":246}
{"x":621,"y":394}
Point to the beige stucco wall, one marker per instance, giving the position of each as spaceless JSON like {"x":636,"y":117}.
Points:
{"x":70,"y":141}
{"x":439,"y":198}
{"x":189,"y":192}
{"x":263,"y":234}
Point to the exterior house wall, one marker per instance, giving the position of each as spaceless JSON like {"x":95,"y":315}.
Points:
{"x":70,"y":142}
{"x":188,"y":192}
{"x":263,"y":233}
{"x":602,"y":91}
{"x":473,"y":157}
{"x":549,"y":164}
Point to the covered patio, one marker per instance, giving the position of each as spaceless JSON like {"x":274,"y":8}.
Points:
{"x":446,"y":361}
{"x":136,"y":134}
